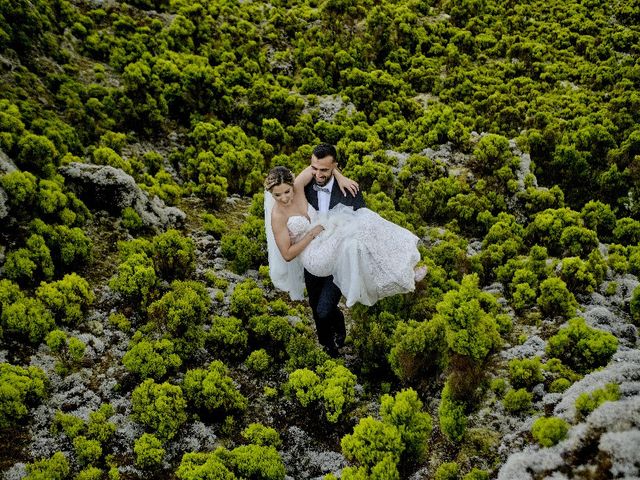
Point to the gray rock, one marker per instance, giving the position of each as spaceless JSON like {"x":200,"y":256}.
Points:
{"x":6,"y":164}
{"x":108,"y":188}
{"x":533,"y":346}
{"x":4,"y":204}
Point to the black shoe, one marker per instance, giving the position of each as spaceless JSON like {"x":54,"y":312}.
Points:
{"x":332,"y":351}
{"x":339,"y":341}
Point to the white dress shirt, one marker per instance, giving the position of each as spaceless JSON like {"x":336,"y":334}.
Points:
{"x":324,"y":198}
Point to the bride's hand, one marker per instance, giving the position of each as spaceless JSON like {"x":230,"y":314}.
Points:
{"x":315,"y":231}
{"x":346,"y":184}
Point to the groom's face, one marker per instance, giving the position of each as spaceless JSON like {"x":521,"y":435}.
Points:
{"x":322,"y":168}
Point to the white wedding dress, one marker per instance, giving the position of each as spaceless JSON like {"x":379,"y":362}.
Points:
{"x":369,"y":257}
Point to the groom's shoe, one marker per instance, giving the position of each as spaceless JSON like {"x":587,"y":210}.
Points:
{"x":332,"y":351}
{"x":339,"y":341}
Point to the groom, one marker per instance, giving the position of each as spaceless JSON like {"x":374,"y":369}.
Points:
{"x":324,"y":295}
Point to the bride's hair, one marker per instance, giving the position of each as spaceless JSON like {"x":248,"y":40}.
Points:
{"x":278,"y":176}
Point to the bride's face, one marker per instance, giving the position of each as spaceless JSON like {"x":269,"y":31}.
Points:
{"x":283,"y":193}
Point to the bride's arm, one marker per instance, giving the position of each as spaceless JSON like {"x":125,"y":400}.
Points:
{"x":345,"y":184}
{"x":289,"y":250}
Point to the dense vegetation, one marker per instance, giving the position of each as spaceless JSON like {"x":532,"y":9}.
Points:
{"x":197,"y":99}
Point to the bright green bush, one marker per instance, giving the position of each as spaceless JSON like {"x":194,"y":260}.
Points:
{"x":588,"y":402}
{"x":581,"y":347}
{"x":160,"y":407}
{"x":578,"y":241}
{"x":87,"y":451}
{"x":55,"y":468}
{"x":272,"y":330}
{"x":371,"y":443}
{"x":22,"y":388}
{"x":258,"y":434}
{"x":556,"y":299}
{"x":577,"y":275}
{"x":38,"y":154}
{"x":559,"y":385}
{"x":332,"y":387}
{"x":598,"y":216}
{"x":99,"y":427}
{"x":259,"y":361}
{"x":215,"y":227}
{"x":627,"y":231}
{"x":525,"y":373}
{"x":451,"y":415}
{"x":181,"y":313}
{"x":547,"y":227}
{"x":247,"y":300}
{"x":106,"y":156}
{"x":634,"y":305}
{"x":28,"y":319}
{"x":213,"y":389}
{"x":476,"y":474}
{"x":227,"y":337}
{"x":30,"y":264}
{"x":68,"y":299}
{"x":151,"y":359}
{"x":405,"y":413}
{"x":149,"y":451}
{"x":69,"y":350}
{"x":89,"y":473}
{"x":548,"y":431}
{"x":21,"y":189}
{"x":198,"y":466}
{"x":136,"y":279}
{"x":131,"y":220}
{"x":516,"y":401}
{"x":70,"y":425}
{"x":447,"y":471}
{"x":174,"y":255}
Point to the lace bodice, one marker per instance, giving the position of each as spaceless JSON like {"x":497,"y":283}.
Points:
{"x":298,"y":225}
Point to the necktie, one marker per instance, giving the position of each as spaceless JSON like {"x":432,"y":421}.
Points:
{"x":318,"y":188}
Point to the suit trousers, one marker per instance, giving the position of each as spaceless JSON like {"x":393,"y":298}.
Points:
{"x":324,"y":296}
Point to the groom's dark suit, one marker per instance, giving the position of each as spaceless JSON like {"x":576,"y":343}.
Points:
{"x":324,"y":295}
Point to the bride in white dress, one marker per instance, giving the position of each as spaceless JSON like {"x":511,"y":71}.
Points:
{"x":369,"y":257}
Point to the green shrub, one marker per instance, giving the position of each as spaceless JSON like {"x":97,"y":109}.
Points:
{"x":131,"y":220}
{"x":581,"y":347}
{"x":69,"y":350}
{"x":548,"y":431}
{"x":213,"y":389}
{"x":447,"y":471}
{"x":476,"y":474}
{"x":99,"y":427}
{"x":22,"y":388}
{"x":578,"y":241}
{"x":160,"y":407}
{"x":274,"y":331}
{"x":119,"y":321}
{"x":87,"y":451}
{"x":89,"y":473}
{"x":405,"y":413}
{"x":332,"y":387}
{"x":247,"y":300}
{"x":242,"y":251}
{"x":136,"y":279}
{"x":525,"y":373}
{"x":21,"y":190}
{"x":30,"y":264}
{"x":259,"y":361}
{"x":215,"y":227}
{"x":181,"y":313}
{"x":255,"y":461}
{"x":68,"y":299}
{"x":588,"y":402}
{"x":106,"y":156}
{"x":71,"y":425}
{"x":198,"y":466}
{"x":174,"y":255}
{"x":598,"y":216}
{"x":559,"y":385}
{"x":516,"y":401}
{"x":617,"y":258}
{"x":634,"y":306}
{"x":556,"y":299}
{"x":258,"y":434}
{"x":151,"y":359}
{"x":28,"y":319}
{"x":451,"y":415}
{"x":371,"y":443}
{"x":55,"y":468}
{"x":227,"y":337}
{"x":38,"y":154}
{"x":149,"y":451}
{"x":627,"y":231}
{"x":577,"y":275}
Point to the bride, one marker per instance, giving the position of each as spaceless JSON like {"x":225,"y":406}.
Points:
{"x":369,"y":257}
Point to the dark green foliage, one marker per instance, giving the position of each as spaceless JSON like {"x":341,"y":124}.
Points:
{"x":588,"y":402}
{"x":22,"y":388}
{"x":213,"y":389}
{"x":227,"y":337}
{"x":37,"y":154}
{"x":160,"y":407}
{"x":29,"y":264}
{"x":70,"y":246}
{"x":599,"y":217}
{"x":549,"y":430}
{"x":581,"y":347}
{"x":634,"y":306}
{"x":69,"y":350}
{"x":547,"y":228}
{"x":181,"y":313}
{"x":174,"y":255}
{"x":556,"y":299}
{"x":451,"y":415}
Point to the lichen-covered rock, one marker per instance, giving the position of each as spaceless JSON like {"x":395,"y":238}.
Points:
{"x":108,"y":188}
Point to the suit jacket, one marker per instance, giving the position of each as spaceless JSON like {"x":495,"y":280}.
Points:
{"x":336,"y":197}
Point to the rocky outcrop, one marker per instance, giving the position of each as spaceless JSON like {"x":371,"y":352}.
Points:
{"x":107,"y":188}
{"x":6,"y":166}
